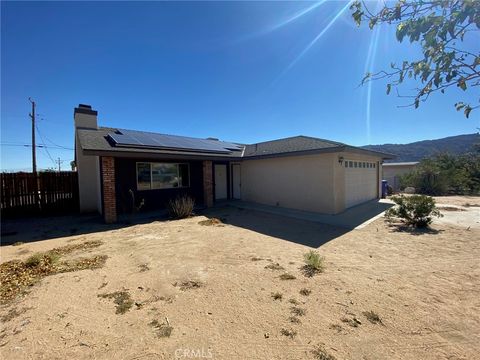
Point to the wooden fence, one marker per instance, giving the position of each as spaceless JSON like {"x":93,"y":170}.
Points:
{"x":45,"y":193}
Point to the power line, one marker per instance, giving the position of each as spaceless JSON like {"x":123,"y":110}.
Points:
{"x":60,"y":146}
{"x":45,"y":148}
{"x":50,"y":141}
{"x":38,"y":146}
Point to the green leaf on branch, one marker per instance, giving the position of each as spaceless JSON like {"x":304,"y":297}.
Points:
{"x":438,"y":28}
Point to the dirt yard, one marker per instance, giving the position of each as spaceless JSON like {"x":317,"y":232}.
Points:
{"x":180,"y":290}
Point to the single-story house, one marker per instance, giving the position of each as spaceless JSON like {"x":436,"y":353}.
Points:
{"x":118,"y":169}
{"x":392,"y":171}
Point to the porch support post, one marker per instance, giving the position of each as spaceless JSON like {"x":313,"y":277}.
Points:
{"x":108,"y":189}
{"x":207,"y":183}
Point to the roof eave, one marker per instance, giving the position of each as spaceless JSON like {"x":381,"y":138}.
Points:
{"x":158,"y":155}
{"x":294,"y":153}
{"x":383,"y":155}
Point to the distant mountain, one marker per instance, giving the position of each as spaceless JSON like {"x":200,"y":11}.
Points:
{"x":418,"y":150}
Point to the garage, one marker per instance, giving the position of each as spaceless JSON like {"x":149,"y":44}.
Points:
{"x":361,"y":182}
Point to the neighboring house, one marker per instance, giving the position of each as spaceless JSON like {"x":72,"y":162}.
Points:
{"x":394,"y":170}
{"x":300,"y":172}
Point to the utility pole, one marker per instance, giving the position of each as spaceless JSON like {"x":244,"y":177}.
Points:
{"x":34,"y":157}
{"x":59,"y":162}
{"x":34,"y":147}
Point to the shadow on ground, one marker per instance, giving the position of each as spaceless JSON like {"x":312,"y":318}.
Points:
{"x":304,"y":228}
{"x":45,"y":228}
{"x":348,"y":219}
{"x":299,"y":231}
{"x":413,"y":230}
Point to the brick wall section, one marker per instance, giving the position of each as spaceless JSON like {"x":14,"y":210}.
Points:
{"x":208,"y":183}
{"x":108,"y":186}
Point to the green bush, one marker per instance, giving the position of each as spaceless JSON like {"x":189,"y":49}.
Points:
{"x":313,"y":259}
{"x":181,"y":207}
{"x":313,"y":263}
{"x":34,"y":260}
{"x":415,"y":210}
{"x":445,"y":174}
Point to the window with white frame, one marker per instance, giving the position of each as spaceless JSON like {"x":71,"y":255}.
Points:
{"x":152,"y":176}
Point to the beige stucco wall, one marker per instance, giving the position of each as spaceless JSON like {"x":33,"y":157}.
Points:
{"x":398,"y":170}
{"x":88,"y":168}
{"x":296,"y":182}
{"x":312,"y":183}
{"x":393,"y":173}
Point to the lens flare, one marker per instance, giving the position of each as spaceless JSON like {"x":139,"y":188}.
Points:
{"x":295,"y":16}
{"x":369,"y":68}
{"x":283,"y":23}
{"x":309,"y":46}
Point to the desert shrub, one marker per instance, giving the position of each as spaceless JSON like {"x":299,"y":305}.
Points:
{"x":415,"y":210}
{"x":294,"y":301}
{"x":298,"y":311}
{"x":445,"y":174}
{"x":372,"y":317}
{"x":313,"y":263}
{"x":181,"y":207}
{"x":34,"y":260}
{"x":161,"y":330}
{"x":277,"y":296}
{"x":289,"y":333}
{"x":320,"y":353}
{"x":122,"y":300}
{"x":305,"y":292}
{"x":274,"y":266}
{"x":47,"y":259}
{"x":294,"y":320}
{"x":287,"y":276}
{"x":189,"y":284}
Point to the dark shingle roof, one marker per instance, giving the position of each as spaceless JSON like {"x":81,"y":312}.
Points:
{"x":290,"y":145}
{"x":97,"y":141}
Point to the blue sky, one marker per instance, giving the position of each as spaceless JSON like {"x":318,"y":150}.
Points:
{"x":240,"y":71}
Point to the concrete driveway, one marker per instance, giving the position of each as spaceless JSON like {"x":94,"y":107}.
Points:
{"x":352,"y":218}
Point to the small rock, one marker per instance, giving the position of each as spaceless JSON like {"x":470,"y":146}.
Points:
{"x":409,"y":190}
{"x":267,"y":335}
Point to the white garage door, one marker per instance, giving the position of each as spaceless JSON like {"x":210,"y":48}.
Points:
{"x":360,"y":181}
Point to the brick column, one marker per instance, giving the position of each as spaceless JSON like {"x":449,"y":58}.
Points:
{"x":207,"y":183}
{"x":108,"y":188}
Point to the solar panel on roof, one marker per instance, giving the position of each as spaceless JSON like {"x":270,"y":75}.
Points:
{"x":143,"y":139}
{"x":123,"y":139}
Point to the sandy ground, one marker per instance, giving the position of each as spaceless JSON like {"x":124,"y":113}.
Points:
{"x":459,"y":211}
{"x":425,"y":286}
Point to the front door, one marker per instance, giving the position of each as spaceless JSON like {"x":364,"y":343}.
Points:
{"x":236,"y":187}
{"x":220,"y":181}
